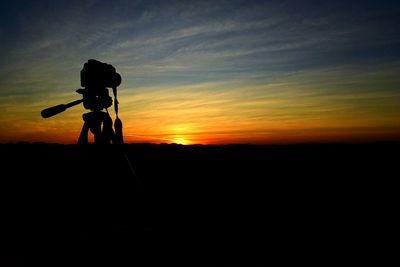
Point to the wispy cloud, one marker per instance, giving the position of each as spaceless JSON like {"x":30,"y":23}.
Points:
{"x":318,"y":99}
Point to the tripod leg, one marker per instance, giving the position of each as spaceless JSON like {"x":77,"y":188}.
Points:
{"x":108,"y":132}
{"x":118,"y":131}
{"x":83,"y":136}
{"x":96,"y":130}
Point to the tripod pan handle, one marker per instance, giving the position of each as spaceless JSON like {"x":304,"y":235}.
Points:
{"x":48,"y":112}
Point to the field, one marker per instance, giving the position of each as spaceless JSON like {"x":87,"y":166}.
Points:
{"x":146,"y":204}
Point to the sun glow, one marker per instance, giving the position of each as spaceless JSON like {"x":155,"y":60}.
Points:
{"x":180,"y":140}
{"x":178,"y":134}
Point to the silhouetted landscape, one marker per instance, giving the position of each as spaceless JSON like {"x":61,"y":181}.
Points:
{"x":146,"y":203}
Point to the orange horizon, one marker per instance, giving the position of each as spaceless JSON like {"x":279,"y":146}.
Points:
{"x":218,"y":139}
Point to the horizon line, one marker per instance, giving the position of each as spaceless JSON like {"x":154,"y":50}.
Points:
{"x":364,"y":142}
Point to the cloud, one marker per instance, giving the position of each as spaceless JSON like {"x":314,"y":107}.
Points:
{"x":317,"y":99}
{"x":205,"y":66}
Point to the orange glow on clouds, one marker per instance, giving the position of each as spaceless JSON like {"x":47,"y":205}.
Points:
{"x":240,"y":111}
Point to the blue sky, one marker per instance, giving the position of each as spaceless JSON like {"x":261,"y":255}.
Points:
{"x":270,"y":60}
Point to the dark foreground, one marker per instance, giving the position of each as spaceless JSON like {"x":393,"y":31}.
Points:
{"x":142,"y":204}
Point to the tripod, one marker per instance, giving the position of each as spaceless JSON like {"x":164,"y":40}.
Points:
{"x":96,"y":77}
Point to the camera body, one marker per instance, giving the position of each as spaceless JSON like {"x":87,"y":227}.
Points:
{"x":96,"y":76}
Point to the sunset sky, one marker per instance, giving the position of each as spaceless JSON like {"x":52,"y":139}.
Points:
{"x":209,"y":72}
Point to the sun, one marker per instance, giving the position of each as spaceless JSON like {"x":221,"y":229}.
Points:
{"x":180,"y":140}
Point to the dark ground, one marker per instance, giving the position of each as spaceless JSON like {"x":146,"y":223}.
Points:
{"x":195,"y":205}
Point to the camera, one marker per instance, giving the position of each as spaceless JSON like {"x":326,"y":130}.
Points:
{"x":96,"y":76}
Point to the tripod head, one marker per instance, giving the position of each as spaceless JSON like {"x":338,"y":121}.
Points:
{"x":96,"y":77}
